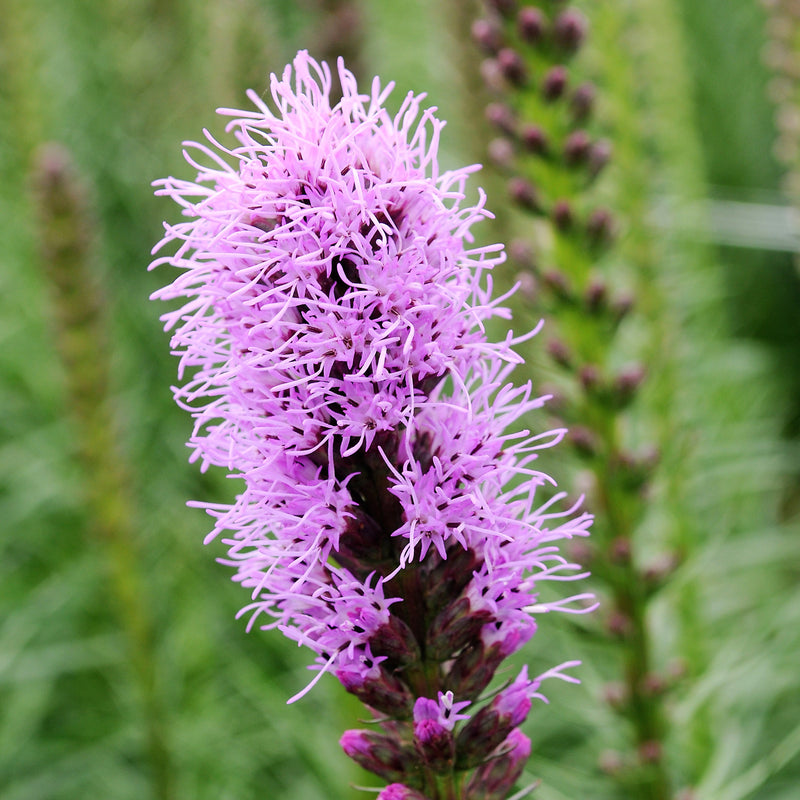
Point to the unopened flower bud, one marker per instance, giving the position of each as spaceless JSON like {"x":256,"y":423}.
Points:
{"x":434,"y":743}
{"x":531,"y":24}
{"x":600,"y":226}
{"x":622,"y":305}
{"x":576,"y":148}
{"x":495,"y":779}
{"x":487,"y":35}
{"x":569,"y":30}
{"x":512,"y":66}
{"x":599,"y":156}
{"x":562,"y":214}
{"x":521,"y":252}
{"x":383,"y":754}
{"x":523,"y":192}
{"x":558,"y":283}
{"x":501,"y":117}
{"x":473,"y":669}
{"x":396,"y":641}
{"x":455,"y":627}
{"x":491,"y":725}
{"x":528,"y":285}
{"x":627,"y":382}
{"x":386,"y":693}
{"x":619,"y":625}
{"x":589,"y":377}
{"x":492,"y":75}
{"x":559,"y":352}
{"x":582,"y":101}
{"x":534,"y":139}
{"x":447,"y":579}
{"x":501,"y":151}
{"x":595,"y":296}
{"x":620,"y":550}
{"x":554,"y":83}
{"x":583,"y":439}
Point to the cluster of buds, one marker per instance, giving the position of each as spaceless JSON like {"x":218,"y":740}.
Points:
{"x":334,"y":327}
{"x":781,"y":54}
{"x":542,"y":111}
{"x":528,"y":53}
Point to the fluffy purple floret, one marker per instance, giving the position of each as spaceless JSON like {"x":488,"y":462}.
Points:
{"x":333,"y":337}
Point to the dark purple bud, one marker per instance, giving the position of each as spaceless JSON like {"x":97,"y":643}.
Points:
{"x":559,"y":352}
{"x":576,"y":148}
{"x":487,"y":35}
{"x":492,"y":724}
{"x":620,"y":550}
{"x":454,"y":628}
{"x":558,"y":283}
{"x":583,"y":101}
{"x":434,"y":743}
{"x":359,"y":542}
{"x":503,"y":7}
{"x":387,"y":693}
{"x":449,"y":577}
{"x":627,"y":382}
{"x":555,"y":83}
{"x":599,"y":155}
{"x":480,"y":735}
{"x":596,"y":295}
{"x":600,"y":226}
{"x":534,"y":139}
{"x":496,"y":778}
{"x":473,"y":670}
{"x":531,"y":24}
{"x":589,"y":377}
{"x":622,"y":305}
{"x":562,"y":214}
{"x":523,"y":192}
{"x":501,"y":151}
{"x":502,"y":117}
{"x":385,"y":755}
{"x":512,"y":66}
{"x":569,"y":30}
{"x":396,"y":641}
{"x":583,"y":439}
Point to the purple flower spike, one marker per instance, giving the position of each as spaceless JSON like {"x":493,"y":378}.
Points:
{"x":333,"y":338}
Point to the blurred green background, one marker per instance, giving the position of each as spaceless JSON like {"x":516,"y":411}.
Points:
{"x":123,"y":673}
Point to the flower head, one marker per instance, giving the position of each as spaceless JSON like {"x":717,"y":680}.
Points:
{"x":333,"y":329}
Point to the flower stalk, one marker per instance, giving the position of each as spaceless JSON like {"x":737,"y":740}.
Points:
{"x":334,"y":328}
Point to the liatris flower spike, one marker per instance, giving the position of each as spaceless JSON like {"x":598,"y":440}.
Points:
{"x":334,"y":328}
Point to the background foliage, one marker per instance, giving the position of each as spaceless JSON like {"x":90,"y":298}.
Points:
{"x":147,"y":687}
